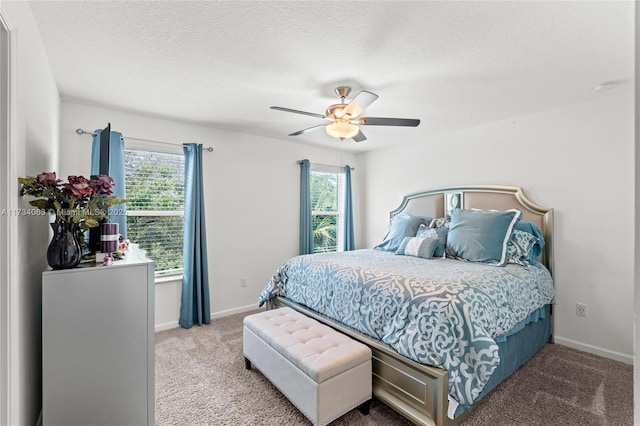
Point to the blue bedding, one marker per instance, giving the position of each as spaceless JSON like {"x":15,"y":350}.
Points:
{"x":441,"y":312}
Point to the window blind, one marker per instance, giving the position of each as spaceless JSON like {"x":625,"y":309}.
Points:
{"x":155,"y":206}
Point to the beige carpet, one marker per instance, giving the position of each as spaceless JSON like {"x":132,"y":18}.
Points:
{"x":201,"y":380}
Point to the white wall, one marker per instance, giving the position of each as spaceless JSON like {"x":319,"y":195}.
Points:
{"x":35,"y":143}
{"x":578,"y":159}
{"x":252,"y":198}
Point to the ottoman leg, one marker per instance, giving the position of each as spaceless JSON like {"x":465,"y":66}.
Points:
{"x":364,"y":407}
{"x":247,"y":364}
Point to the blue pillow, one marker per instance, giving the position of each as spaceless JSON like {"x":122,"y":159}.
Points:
{"x":480,"y":235}
{"x":418,"y":247}
{"x":532,"y":228}
{"x":438,"y":233}
{"x":402,"y":225}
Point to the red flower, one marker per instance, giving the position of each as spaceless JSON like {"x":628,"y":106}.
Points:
{"x":79,"y":185}
{"x":102,"y":184}
{"x":49,"y":177}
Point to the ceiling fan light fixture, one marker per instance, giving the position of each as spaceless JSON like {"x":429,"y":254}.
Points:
{"x":335,"y":111}
{"x":345,"y":117}
{"x":342,"y":130}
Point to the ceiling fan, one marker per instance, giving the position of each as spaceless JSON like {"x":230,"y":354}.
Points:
{"x":344,"y":118}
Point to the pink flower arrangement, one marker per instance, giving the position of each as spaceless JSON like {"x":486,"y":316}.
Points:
{"x":80,"y":200}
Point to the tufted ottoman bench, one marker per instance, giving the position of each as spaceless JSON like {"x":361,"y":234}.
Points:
{"x":324,"y":373}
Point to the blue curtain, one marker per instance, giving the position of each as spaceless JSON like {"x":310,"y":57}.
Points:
{"x":195,"y":304}
{"x":116,"y":171}
{"x":306,"y":227}
{"x":349,"y":238}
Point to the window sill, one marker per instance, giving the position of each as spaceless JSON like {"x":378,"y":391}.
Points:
{"x":168,"y":278}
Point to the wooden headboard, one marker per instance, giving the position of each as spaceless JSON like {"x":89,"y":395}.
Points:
{"x":432,"y":203}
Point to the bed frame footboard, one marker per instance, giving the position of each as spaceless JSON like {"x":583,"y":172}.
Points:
{"x":416,"y":391}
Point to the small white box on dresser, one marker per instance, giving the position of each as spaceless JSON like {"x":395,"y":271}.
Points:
{"x":98,"y":344}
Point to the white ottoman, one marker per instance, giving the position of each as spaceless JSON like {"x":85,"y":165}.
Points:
{"x":323,"y":373}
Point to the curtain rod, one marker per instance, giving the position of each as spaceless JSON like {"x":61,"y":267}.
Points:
{"x":326,"y":165}
{"x":84,"y":132}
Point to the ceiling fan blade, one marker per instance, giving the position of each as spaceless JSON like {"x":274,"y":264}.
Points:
{"x":359,"y":104}
{"x":359,"y":137}
{"x":308,"y":129}
{"x":386,"y":121}
{"x":296,"y":111}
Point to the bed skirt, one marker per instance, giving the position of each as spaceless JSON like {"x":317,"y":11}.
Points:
{"x":517,"y":349}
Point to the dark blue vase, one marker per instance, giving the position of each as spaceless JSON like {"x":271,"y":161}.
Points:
{"x":64,"y":251}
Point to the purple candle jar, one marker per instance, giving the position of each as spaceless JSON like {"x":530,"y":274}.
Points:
{"x":109,"y":237}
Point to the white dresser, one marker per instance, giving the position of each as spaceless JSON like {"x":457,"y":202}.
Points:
{"x":98,"y":344}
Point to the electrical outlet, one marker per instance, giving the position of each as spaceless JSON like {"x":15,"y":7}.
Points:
{"x":581,"y":309}
{"x":243,"y":282}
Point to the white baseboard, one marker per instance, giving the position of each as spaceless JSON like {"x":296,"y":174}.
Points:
{"x":233,"y":311}
{"x":167,"y":326}
{"x":627,"y":359}
{"x":221,"y":314}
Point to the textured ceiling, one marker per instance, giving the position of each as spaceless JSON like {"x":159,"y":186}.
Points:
{"x":223,"y":63}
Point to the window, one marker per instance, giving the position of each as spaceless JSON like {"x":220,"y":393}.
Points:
{"x":155,"y":206}
{"x":326,"y":210}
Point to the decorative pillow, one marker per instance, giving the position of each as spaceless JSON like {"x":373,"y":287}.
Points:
{"x":402,"y":225}
{"x":441,"y":222}
{"x":520,"y":245}
{"x":532,"y":228}
{"x":418,"y":247}
{"x":481,"y":236}
{"x":439,"y":233}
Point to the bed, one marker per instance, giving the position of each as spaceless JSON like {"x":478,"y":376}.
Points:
{"x":444,"y":331}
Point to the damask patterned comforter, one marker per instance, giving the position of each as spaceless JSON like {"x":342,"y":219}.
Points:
{"x":441,"y":312}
